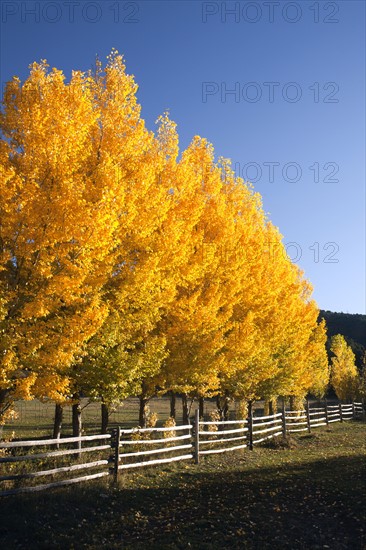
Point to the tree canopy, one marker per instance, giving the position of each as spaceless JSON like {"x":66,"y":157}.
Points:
{"x":127,"y":266}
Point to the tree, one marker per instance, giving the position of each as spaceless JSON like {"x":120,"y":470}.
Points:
{"x":67,"y":158}
{"x":275,"y":346}
{"x":144,"y":281}
{"x":362,"y":384}
{"x":344,"y":375}
{"x":124,"y":269}
{"x":352,"y":326}
{"x":196,"y":322}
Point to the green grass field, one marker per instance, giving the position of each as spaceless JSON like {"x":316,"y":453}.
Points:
{"x":310,"y":495}
{"x":35,"y":419}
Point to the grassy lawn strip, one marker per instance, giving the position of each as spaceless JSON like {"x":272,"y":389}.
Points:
{"x":310,"y":495}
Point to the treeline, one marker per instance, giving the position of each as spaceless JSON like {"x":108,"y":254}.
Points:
{"x":128,"y":268}
{"x":353,"y":328}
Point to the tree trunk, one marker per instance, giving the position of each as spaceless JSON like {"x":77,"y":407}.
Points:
{"x":201,"y":405}
{"x":185,"y":409}
{"x":296,"y":403}
{"x":242,"y":409}
{"x":219,"y":406}
{"x":5,"y":404}
{"x":57,"y":423}
{"x":173,"y":411}
{"x":76,"y":422}
{"x":292,"y":402}
{"x":250,"y":425}
{"x":76,"y":419}
{"x":222,"y":402}
{"x":142,"y":411}
{"x":226,"y":409}
{"x":273,"y":405}
{"x":270,"y":406}
{"x":105,"y":417}
{"x":266,"y":407}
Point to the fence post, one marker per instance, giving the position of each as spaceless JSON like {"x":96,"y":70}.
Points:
{"x":353,"y":410}
{"x":117,"y":440}
{"x":250,"y":426}
{"x":340,"y":411}
{"x":197,"y":436}
{"x":326,"y":412}
{"x":308,"y":415}
{"x":283,"y":418}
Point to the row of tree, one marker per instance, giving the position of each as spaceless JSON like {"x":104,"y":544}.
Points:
{"x":128,"y":269}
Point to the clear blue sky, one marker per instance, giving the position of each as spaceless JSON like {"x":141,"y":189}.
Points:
{"x":295,"y":122}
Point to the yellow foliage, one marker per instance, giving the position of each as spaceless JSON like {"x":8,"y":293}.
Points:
{"x":170,"y":423}
{"x":344,"y":374}
{"x":126,"y":267}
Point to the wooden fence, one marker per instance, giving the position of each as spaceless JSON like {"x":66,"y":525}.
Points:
{"x":79,"y":451}
{"x":221,"y":437}
{"x":109,"y":454}
{"x":164,"y":441}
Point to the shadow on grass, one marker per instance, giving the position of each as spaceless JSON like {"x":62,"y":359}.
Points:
{"x":320,"y":504}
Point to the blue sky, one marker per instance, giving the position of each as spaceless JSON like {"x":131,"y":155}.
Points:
{"x":294,"y":122}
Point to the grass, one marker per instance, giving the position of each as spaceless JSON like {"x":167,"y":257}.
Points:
{"x":35,"y":419}
{"x":306,"y":495}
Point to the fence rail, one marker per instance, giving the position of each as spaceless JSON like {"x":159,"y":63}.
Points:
{"x":214,"y":434}
{"x":315,"y":417}
{"x":262,"y":428}
{"x":125,"y":449}
{"x":10,"y":456}
{"x":137,"y":437}
{"x":273,"y":428}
